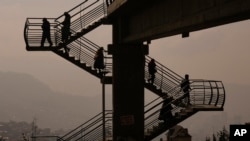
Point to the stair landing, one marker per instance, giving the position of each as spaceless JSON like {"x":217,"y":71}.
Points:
{"x":206,"y":108}
{"x":38,"y":48}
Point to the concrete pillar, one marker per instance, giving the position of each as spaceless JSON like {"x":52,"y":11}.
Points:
{"x":128,"y":93}
{"x":128,"y":87}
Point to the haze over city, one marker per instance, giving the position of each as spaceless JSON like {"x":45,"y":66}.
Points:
{"x":219,"y":53}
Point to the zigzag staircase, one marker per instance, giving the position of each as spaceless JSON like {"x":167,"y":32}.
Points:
{"x":206,"y":95}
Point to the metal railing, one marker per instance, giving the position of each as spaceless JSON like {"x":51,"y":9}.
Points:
{"x":47,"y":138}
{"x":203,"y":92}
{"x":165,"y":78}
{"x":89,"y":131}
{"x":206,"y":93}
{"x":92,"y":128}
{"x":33,"y":32}
{"x":83,"y":15}
{"x":82,"y":49}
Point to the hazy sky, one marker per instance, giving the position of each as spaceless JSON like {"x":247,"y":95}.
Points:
{"x":220,"y":53}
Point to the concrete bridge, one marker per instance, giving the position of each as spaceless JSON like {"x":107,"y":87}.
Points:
{"x":138,"y":21}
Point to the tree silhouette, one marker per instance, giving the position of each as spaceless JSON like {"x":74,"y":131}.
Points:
{"x":223,"y":135}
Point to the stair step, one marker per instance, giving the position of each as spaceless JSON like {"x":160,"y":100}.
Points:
{"x":188,"y":110}
{"x":179,"y":115}
{"x":72,"y":57}
{"x":107,"y":80}
{"x":78,"y":34}
{"x":38,"y":48}
{"x":183,"y":114}
{"x":84,"y":64}
{"x":88,"y":68}
{"x":78,"y":62}
{"x":96,"y":23}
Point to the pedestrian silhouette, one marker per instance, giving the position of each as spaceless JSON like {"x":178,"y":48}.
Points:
{"x":46,"y":32}
{"x":185,"y":86}
{"x":66,"y":30}
{"x":99,"y":60}
{"x":165,"y":113}
{"x":66,"y":27}
{"x":152,"y":70}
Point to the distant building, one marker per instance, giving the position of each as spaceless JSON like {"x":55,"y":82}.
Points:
{"x":178,"y":133}
{"x":3,"y":138}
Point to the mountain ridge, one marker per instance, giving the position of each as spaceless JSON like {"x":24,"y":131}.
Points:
{"x":24,"y":97}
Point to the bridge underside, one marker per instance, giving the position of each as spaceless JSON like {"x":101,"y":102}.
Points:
{"x":148,"y":20}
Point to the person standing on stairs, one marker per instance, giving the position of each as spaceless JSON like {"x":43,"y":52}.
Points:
{"x":152,"y":70}
{"x":185,"y":86}
{"x":46,"y":32}
{"x":66,"y":29}
{"x":99,"y":60}
{"x":165,"y":113}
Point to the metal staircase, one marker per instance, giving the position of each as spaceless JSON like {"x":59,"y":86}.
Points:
{"x":206,"y":95}
{"x":84,"y":18}
{"x":91,"y":130}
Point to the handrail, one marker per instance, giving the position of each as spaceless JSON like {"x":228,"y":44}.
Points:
{"x":84,"y":50}
{"x":73,"y":13}
{"x":95,"y":132}
{"x":177,"y":76}
{"x":203,"y":92}
{"x":72,"y":9}
{"x":82,"y":125}
{"x":25,"y":35}
{"x":165,"y":78}
{"x":89,"y":126}
{"x":33,"y":31}
{"x":57,"y":138}
{"x":91,"y":16}
{"x":213,"y":91}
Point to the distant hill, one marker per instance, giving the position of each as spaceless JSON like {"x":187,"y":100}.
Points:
{"x":23,"y":97}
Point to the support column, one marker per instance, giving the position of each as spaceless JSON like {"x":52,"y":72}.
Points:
{"x":128,"y":92}
{"x":128,"y":84}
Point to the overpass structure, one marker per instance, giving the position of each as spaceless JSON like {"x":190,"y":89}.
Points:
{"x":134,"y":23}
